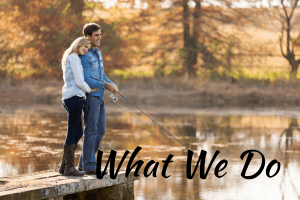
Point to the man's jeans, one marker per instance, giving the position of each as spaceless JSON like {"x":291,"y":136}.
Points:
{"x":94,"y":120}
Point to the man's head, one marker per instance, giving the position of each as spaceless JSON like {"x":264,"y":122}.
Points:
{"x":93,"y":32}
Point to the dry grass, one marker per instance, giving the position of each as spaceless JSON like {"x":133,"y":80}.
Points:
{"x":25,"y":94}
{"x":198,"y":93}
{"x":168,"y":92}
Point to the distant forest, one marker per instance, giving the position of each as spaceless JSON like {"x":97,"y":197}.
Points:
{"x":155,"y":38}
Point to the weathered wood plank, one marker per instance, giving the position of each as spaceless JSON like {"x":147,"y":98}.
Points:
{"x":49,"y":184}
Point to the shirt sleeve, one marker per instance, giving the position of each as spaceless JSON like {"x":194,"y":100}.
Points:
{"x":106,"y":79}
{"x":78,"y":73}
{"x":89,"y":79}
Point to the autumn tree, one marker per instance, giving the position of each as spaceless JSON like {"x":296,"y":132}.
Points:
{"x":188,"y":28}
{"x":35,"y":33}
{"x":285,"y":12}
{"x":41,"y":31}
{"x":204,"y":36}
{"x":181,"y":36}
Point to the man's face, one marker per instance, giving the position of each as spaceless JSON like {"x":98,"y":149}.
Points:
{"x":95,"y":38}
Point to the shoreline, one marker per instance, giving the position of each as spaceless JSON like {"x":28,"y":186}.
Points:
{"x":158,"y":110}
{"x":162,"y":97}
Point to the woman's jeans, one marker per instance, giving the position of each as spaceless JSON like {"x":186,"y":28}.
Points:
{"x":73,"y":107}
{"x":94,"y":120}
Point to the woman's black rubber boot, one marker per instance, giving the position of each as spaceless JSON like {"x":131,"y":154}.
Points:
{"x":62,"y":165}
{"x":70,"y":170}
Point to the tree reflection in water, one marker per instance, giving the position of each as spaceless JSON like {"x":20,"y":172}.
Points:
{"x":33,"y":143}
{"x":289,"y":144}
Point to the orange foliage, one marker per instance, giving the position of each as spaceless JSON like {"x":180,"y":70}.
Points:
{"x":38,"y":32}
{"x":35,"y":33}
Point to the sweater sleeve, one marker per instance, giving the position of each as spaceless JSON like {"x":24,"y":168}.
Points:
{"x":78,"y":73}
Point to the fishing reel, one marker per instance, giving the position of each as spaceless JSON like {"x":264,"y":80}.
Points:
{"x":113,"y":98}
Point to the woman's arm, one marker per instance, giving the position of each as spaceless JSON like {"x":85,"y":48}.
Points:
{"x":78,"y":75}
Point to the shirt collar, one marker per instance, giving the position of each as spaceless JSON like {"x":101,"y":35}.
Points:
{"x":94,"y":50}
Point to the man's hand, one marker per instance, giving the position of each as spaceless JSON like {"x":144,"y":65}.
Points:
{"x":111,"y":88}
{"x":116,"y":88}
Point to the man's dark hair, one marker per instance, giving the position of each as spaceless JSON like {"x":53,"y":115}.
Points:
{"x":89,"y":28}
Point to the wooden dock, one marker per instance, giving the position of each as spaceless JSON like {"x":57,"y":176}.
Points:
{"x":51,"y":185}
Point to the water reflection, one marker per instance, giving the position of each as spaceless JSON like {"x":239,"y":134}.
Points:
{"x":287,"y":134}
{"x":286,"y":145}
{"x":34,"y":143}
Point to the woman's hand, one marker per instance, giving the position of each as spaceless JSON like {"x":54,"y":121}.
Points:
{"x":94,"y":89}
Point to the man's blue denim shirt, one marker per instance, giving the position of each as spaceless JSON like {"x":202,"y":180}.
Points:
{"x":93,"y":71}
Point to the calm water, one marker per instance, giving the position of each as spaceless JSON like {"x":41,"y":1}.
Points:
{"x":34,"y":143}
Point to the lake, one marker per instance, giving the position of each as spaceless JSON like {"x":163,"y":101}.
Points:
{"x":31,"y":143}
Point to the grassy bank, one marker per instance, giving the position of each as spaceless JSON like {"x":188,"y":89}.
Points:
{"x":157,"y":93}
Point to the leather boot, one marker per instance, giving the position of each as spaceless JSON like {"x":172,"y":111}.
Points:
{"x":62,"y":165}
{"x":70,"y":170}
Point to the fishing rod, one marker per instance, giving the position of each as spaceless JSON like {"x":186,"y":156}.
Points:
{"x":114,"y":99}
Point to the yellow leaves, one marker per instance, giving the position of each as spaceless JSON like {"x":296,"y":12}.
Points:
{"x":142,"y":71}
{"x":66,"y":8}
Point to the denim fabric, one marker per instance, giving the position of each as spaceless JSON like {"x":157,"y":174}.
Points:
{"x":94,"y":120}
{"x":73,"y":107}
{"x":93,"y":71}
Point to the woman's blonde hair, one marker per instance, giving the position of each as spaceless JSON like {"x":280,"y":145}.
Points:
{"x":77,"y":43}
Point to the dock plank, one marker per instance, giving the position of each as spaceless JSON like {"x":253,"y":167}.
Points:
{"x":50,"y":184}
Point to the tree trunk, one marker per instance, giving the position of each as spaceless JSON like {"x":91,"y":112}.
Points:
{"x":191,"y":41}
{"x":186,"y":26}
{"x":208,"y":57}
{"x":295,"y":65}
{"x":77,"y":7}
{"x":192,"y":56}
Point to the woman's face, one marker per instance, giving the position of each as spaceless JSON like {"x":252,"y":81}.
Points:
{"x":82,"y":50}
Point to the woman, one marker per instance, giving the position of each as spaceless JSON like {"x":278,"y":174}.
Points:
{"x":73,"y":96}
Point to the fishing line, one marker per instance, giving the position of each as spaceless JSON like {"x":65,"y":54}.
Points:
{"x":151,"y":124}
{"x":154,"y":121}
{"x":114,"y":99}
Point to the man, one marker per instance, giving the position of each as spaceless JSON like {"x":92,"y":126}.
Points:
{"x":94,"y":110}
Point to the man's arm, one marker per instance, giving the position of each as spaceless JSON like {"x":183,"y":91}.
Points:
{"x":106,"y":79}
{"x":91,"y":81}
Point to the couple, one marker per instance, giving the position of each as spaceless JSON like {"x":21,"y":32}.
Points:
{"x":85,"y":82}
